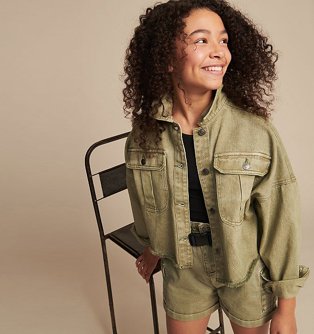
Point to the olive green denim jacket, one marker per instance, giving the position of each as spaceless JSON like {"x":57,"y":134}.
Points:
{"x":249,"y":189}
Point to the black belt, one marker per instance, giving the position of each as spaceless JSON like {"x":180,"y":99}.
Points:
{"x":200,"y":239}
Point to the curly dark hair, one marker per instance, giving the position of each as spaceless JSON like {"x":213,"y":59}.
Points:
{"x":248,"y":82}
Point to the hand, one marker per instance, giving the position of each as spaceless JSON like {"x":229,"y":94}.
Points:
{"x":283,"y":323}
{"x":146,"y":263}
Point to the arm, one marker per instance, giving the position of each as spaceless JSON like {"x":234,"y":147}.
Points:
{"x":278,"y":211}
{"x":139,"y":228}
{"x":284,"y":321}
{"x":146,"y":262}
{"x":279,"y":218}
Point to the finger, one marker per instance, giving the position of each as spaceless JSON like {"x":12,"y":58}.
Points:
{"x":143,"y":274}
{"x":139,"y":259}
{"x":139,"y":263}
{"x":142,"y":270}
{"x":147,"y":277}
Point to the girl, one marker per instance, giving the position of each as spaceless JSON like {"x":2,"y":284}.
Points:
{"x":212,"y":191}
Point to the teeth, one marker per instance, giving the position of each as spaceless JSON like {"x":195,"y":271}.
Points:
{"x":213,"y":68}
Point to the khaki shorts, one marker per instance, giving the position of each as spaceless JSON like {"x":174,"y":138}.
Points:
{"x":191,"y":294}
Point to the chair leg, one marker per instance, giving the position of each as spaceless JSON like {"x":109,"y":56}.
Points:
{"x":154,"y":306}
{"x":221,"y":321}
{"x":109,"y":289}
{"x":220,"y":329}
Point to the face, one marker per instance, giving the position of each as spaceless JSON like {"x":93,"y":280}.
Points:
{"x":203,"y":57}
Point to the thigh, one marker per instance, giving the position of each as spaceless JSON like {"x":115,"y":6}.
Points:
{"x":243,"y":330}
{"x":187,"y":327}
{"x":250,"y":305}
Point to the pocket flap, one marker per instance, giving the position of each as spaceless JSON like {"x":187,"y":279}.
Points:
{"x":148,"y":160}
{"x":242,"y":163}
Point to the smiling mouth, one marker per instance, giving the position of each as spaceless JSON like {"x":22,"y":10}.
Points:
{"x":213,"y":69}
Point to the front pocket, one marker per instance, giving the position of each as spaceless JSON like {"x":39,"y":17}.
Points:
{"x":149,"y":168}
{"x":235,"y":174}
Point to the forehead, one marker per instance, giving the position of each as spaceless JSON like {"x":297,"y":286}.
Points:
{"x":204,"y":19}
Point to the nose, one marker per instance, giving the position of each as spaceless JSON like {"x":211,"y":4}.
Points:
{"x":216,"y":52}
{"x":218,"y":55}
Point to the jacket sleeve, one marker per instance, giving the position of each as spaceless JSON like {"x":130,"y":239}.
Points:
{"x":278,"y":211}
{"x":139,"y":227}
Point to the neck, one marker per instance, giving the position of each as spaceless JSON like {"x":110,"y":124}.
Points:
{"x":188,"y":108}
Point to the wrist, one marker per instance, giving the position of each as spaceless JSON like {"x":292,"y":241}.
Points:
{"x":286,"y":305}
{"x":151,"y":252}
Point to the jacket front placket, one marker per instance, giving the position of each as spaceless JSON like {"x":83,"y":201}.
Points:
{"x":181,"y":209}
{"x":205,"y":138}
{"x":181,"y":200}
{"x":204,"y":151}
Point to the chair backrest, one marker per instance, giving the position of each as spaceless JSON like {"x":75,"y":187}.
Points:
{"x":112,"y":180}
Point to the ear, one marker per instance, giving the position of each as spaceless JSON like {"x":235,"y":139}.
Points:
{"x":170,"y":68}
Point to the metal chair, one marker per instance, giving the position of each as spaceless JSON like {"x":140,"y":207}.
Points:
{"x":113,"y":180}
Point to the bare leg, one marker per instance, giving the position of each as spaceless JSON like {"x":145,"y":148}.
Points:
{"x":187,"y":327}
{"x":257,"y":330}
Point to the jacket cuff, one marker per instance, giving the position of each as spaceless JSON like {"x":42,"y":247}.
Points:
{"x":143,"y":241}
{"x":288,"y":288}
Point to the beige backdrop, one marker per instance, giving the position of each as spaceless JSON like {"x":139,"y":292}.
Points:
{"x":60,"y":91}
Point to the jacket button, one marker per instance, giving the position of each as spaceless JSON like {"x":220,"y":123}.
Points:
{"x":212,"y":211}
{"x":201,"y":132}
{"x":246,"y":165}
{"x":205,"y":171}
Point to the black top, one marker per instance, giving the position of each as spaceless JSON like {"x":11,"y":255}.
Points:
{"x":198,"y":211}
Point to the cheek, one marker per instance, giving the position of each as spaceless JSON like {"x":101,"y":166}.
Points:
{"x":228,"y":56}
{"x":195,"y":57}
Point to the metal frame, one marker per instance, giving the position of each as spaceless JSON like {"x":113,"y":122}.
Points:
{"x":220,"y":329}
{"x":104,"y":237}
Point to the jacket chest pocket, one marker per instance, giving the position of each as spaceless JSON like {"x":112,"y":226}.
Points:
{"x":235,"y":174}
{"x":149,"y":171}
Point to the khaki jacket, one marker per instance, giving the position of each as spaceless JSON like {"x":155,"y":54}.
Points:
{"x":249,"y":189}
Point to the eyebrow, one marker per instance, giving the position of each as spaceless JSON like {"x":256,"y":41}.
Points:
{"x":207,"y":32}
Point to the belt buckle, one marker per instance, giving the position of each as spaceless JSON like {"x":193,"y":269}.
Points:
{"x":200,"y":239}
{"x":192,"y":239}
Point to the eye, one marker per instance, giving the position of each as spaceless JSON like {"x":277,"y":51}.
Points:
{"x":201,"y":41}
{"x":224,"y":41}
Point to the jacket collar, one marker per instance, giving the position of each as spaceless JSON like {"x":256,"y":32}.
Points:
{"x":164,"y":112}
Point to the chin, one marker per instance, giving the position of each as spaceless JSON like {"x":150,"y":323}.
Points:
{"x":214,"y":86}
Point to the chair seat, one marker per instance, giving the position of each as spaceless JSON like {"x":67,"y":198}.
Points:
{"x":124,"y":238}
